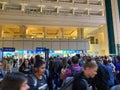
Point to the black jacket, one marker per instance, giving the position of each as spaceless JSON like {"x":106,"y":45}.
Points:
{"x":102,"y":77}
{"x":79,"y":84}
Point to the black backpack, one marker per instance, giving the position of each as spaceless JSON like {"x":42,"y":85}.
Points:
{"x":68,"y":84}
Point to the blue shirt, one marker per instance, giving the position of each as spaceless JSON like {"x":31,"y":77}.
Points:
{"x":117,"y":66}
{"x":110,"y":70}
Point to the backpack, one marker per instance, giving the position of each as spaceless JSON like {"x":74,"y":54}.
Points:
{"x":35,"y":80}
{"x":74,"y":72}
{"x":68,"y":84}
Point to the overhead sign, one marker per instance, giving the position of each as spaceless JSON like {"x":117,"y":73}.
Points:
{"x":8,"y":49}
{"x":40,"y":49}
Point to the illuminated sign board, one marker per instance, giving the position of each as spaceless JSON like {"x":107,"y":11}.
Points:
{"x":8,"y":49}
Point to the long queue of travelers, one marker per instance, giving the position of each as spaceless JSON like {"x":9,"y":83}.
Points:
{"x":64,"y":73}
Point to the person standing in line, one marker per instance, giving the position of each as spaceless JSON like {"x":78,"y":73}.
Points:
{"x":73,"y":69}
{"x":14,"y":81}
{"x":64,"y":68}
{"x":82,"y":80}
{"x":111,"y":73}
{"x":102,"y":78}
{"x":38,"y":80}
{"x":117,"y":65}
{"x":26,"y":68}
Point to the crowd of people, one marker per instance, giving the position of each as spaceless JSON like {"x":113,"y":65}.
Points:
{"x":63,"y":73}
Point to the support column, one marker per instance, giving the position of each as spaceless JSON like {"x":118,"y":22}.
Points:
{"x":88,"y":9}
{"x":73,"y":10}
{"x":57,"y":9}
{"x":0,"y":31}
{"x":116,"y":22}
{"x":23,"y":7}
{"x":80,"y":33}
{"x":3,"y":5}
{"x":62,"y":30}
{"x":23,"y":29}
{"x":57,"y":1}
{"x":102,"y":2}
{"x":41,"y":8}
{"x":110,"y":26}
{"x":87,"y":1}
{"x":73,"y":1}
{"x":45,"y":32}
